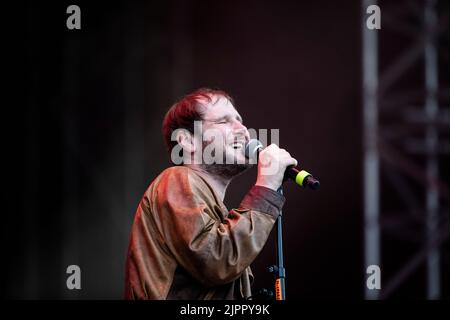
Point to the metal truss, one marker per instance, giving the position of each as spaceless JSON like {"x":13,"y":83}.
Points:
{"x":406,"y":123}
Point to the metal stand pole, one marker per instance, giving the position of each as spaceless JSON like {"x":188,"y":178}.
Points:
{"x":278,"y":270}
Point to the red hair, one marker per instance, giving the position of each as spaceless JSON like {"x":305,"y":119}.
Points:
{"x":187,"y":110}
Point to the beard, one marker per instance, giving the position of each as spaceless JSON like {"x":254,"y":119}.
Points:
{"x":224,"y":169}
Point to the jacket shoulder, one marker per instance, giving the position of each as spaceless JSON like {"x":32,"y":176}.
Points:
{"x":181,"y":179}
{"x":176,"y":174}
{"x":176,"y":178}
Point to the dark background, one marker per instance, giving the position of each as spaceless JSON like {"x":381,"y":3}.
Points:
{"x":86,"y":141}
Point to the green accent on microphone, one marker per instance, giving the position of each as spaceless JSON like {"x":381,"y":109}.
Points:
{"x":300,"y":177}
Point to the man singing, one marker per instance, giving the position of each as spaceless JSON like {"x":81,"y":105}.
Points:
{"x":184,"y":243}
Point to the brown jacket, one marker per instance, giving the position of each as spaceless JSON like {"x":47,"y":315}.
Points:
{"x":185,"y":244}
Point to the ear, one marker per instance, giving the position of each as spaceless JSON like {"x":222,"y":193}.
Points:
{"x":186,"y":140}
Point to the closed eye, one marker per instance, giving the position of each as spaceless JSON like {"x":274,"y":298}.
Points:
{"x":222,"y":121}
{"x":227,"y":120}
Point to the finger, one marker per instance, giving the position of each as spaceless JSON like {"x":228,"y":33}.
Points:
{"x":291,"y":162}
{"x":284,"y":154}
{"x":274,"y":146}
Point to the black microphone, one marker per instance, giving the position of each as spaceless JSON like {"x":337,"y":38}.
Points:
{"x":301,"y":177}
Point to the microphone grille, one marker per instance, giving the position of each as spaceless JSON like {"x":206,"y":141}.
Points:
{"x":252,"y":148}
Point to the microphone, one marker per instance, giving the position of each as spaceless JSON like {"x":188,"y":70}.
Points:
{"x":301,"y":177}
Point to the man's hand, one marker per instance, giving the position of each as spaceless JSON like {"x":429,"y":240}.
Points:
{"x":271,"y":166}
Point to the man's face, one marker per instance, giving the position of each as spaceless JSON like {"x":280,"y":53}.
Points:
{"x":222,"y":121}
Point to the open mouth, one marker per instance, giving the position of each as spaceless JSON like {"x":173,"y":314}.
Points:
{"x":237,"y":145}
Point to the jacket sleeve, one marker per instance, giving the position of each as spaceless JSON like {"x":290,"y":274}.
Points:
{"x":213,"y":245}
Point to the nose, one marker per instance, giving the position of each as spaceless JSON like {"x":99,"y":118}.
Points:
{"x":237,"y":125}
{"x":240,"y":129}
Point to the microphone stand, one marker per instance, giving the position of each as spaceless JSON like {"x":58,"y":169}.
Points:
{"x":278,"y":269}
{"x":302,"y":178}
